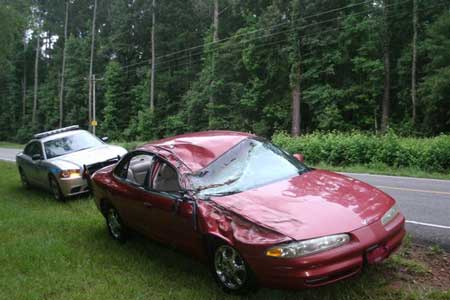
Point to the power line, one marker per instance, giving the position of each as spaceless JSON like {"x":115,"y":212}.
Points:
{"x":291,"y":29}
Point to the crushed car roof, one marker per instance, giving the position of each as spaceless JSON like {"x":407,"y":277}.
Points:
{"x":196,"y":150}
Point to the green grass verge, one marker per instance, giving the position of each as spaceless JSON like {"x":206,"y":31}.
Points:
{"x":52,"y":250}
{"x":10,"y":145}
{"x":381,"y":169}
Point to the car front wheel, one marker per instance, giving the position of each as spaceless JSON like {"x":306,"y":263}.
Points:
{"x":56,"y":190}
{"x":115,"y":226}
{"x":231,"y":271}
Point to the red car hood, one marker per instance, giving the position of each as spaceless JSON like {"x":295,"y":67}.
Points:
{"x":313,"y":204}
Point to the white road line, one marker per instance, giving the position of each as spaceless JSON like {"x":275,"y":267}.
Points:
{"x":7,"y":159}
{"x":395,"y":177}
{"x":412,"y":190}
{"x":427,"y":224}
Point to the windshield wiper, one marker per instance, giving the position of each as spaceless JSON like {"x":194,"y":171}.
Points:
{"x":214,"y":185}
{"x":227,"y":193}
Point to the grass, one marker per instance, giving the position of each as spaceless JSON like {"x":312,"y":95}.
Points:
{"x":52,"y":250}
{"x":10,"y":145}
{"x":382,"y":169}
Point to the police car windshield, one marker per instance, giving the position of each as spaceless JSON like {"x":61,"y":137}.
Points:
{"x":70,"y":143}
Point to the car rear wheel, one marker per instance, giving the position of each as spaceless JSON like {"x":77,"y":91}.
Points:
{"x":231,"y":271}
{"x":56,"y":190}
{"x":24,"y":179}
{"x":116,"y":228}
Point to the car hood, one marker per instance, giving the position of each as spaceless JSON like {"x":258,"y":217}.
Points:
{"x":88,"y":156}
{"x":316,"y":203}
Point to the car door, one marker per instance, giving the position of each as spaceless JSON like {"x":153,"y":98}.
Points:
{"x":26,"y":163}
{"x":41,"y":166}
{"x":130,"y":195}
{"x":173,"y":215}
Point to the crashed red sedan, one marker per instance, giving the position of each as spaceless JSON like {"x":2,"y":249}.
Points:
{"x":255,"y":213}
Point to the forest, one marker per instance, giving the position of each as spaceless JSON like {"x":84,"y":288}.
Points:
{"x":155,"y":68}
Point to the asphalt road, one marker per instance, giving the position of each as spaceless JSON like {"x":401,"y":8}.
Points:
{"x":424,"y":202}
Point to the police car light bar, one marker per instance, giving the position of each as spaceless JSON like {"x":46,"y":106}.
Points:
{"x":52,"y":132}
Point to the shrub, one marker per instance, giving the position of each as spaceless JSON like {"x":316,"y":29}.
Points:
{"x":339,"y":149}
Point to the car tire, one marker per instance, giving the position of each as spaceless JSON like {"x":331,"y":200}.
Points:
{"x":24,"y":179}
{"x":230,"y":270}
{"x":56,"y":190}
{"x":117,"y":230}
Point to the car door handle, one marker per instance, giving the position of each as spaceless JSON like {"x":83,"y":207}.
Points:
{"x":148,"y":205}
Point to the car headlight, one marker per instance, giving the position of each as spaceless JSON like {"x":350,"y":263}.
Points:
{"x":308,"y":247}
{"x":70,"y":173}
{"x":389,"y":215}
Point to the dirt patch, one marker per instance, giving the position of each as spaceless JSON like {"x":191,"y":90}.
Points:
{"x":423,"y":266}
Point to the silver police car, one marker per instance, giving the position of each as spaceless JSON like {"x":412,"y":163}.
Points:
{"x":59,"y":160}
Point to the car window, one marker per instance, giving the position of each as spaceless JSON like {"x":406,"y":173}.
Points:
{"x":33,"y":148}
{"x":166,"y":179}
{"x":71,"y":143}
{"x":137,"y":169}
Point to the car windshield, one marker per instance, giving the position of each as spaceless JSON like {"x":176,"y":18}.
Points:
{"x":251,"y":163}
{"x":70,"y":143}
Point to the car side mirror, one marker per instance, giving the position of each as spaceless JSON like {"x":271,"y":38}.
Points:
{"x":299,"y":157}
{"x":105,"y":139}
{"x":36,"y":157}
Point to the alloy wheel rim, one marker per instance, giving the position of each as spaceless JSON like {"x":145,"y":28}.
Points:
{"x":114,"y":223}
{"x":230,"y":267}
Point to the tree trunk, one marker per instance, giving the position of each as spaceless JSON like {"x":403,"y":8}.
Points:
{"x":387,"y":71}
{"x":36,"y":78}
{"x":414,"y":64}
{"x":153,"y":67}
{"x":213,"y":67}
{"x":92,"y":63}
{"x":63,"y":68}
{"x":296,"y":101}
{"x":24,"y":81}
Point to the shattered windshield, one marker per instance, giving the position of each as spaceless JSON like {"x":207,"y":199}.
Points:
{"x":251,"y":163}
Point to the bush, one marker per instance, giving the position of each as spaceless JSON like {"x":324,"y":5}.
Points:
{"x":341,"y":149}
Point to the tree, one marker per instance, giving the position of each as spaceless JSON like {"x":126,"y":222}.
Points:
{"x":387,"y":68}
{"x":36,"y":80}
{"x":153,"y":60}
{"x":215,"y":40}
{"x":414,"y":64}
{"x":63,"y":68}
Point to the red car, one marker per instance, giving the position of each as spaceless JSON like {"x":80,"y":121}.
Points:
{"x":255,"y":213}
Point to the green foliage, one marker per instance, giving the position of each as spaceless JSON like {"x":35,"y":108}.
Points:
{"x":333,"y":49}
{"x":340,"y":149}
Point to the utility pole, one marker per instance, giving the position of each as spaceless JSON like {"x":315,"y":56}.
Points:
{"x":92,"y":62}
{"x":94,"y":118}
{"x":61,"y":91}
{"x":153,"y":70}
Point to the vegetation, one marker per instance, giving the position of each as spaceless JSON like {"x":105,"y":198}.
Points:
{"x":265,"y":66}
{"x":53,"y":251}
{"x":344,"y":149}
